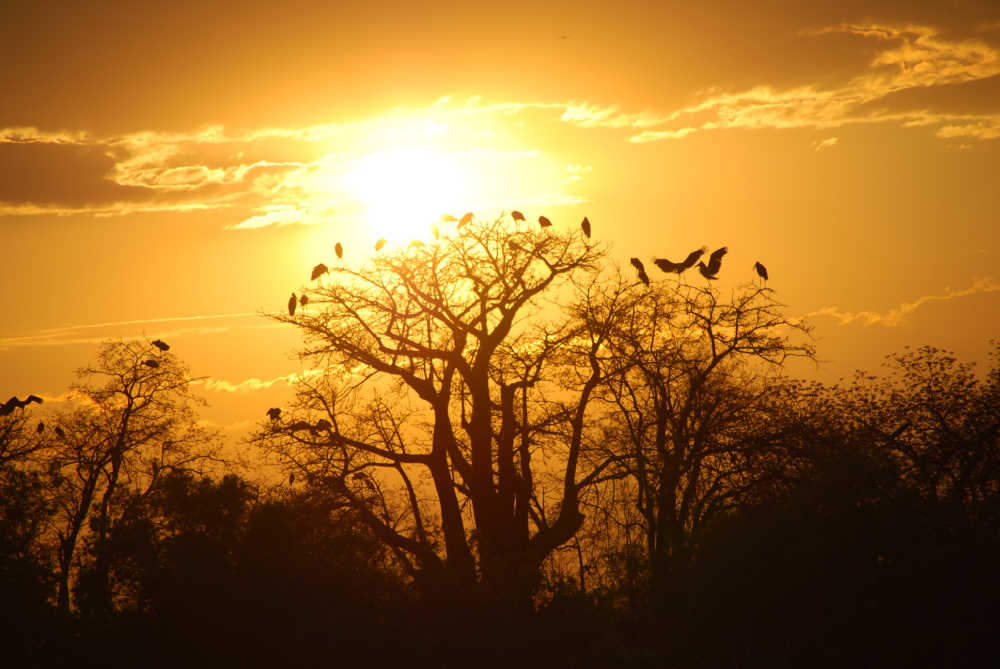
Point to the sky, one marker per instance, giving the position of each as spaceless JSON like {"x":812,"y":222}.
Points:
{"x":174,"y":170}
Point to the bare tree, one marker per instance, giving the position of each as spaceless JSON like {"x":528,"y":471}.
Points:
{"x":133,"y":422}
{"x":694,"y":369}
{"x":452,"y":406}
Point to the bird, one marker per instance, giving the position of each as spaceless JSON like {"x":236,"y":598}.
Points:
{"x":693,"y":257}
{"x":318,"y":271}
{"x":323,"y":424}
{"x":448,"y":218}
{"x":304,"y":300}
{"x":544,"y":222}
{"x":436,"y":231}
{"x":379,"y":244}
{"x":465,"y":219}
{"x":585,"y":225}
{"x":714,"y":263}
{"x":643,"y":276}
{"x":162,"y":345}
{"x":637,"y":264}
{"x":761,"y":270}
{"x":60,"y":432}
{"x":274,"y":413}
{"x":291,"y":478}
{"x":516,"y":215}
{"x":13,"y":403}
{"x":300,"y":425}
{"x":151,"y":363}
{"x":41,"y":427}
{"x":292,"y":302}
{"x":339,"y":250}
{"x":667,"y":266}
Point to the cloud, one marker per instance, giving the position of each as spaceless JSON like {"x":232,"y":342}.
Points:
{"x":896,"y":315}
{"x":81,"y":333}
{"x":254,"y":384}
{"x":827,"y":143}
{"x":655,"y":135}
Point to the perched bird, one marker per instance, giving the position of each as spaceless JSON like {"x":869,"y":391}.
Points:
{"x":300,"y":425}
{"x":714,"y":263}
{"x":544,"y":222}
{"x":151,"y":363}
{"x":163,"y":346}
{"x":643,"y":276}
{"x":637,"y":264}
{"x":292,"y":303}
{"x":323,"y":424}
{"x":40,"y":428}
{"x":436,"y":231}
{"x":761,"y":270}
{"x":339,"y":250}
{"x":516,"y":215}
{"x":304,"y":300}
{"x":379,"y":244}
{"x":291,"y":478}
{"x":448,"y":218}
{"x":465,"y":219}
{"x":60,"y":433}
{"x":318,"y":271}
{"x":693,"y":257}
{"x":274,"y":413}
{"x":585,"y":225}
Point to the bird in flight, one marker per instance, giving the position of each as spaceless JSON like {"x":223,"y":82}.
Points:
{"x":160,"y":344}
{"x":761,"y":270}
{"x":318,"y":271}
{"x":292,"y":303}
{"x":585,"y":225}
{"x":13,"y":403}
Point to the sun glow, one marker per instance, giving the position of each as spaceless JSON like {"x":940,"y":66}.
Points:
{"x":403,"y":191}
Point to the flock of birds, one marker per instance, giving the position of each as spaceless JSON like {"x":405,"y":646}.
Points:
{"x":709,"y":271}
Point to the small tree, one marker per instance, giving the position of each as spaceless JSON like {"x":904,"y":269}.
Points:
{"x":134,"y":420}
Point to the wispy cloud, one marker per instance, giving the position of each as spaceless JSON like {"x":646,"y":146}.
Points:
{"x":896,"y":315}
{"x":254,"y":384}
{"x":823,"y":144}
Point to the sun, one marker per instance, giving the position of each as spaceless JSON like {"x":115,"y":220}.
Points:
{"x":404,"y":190}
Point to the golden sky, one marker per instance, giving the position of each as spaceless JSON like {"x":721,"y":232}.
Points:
{"x":174,"y":170}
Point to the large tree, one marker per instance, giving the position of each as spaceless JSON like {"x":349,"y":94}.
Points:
{"x":452,"y":399}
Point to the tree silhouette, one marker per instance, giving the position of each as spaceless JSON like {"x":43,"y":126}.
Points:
{"x":456,"y":386}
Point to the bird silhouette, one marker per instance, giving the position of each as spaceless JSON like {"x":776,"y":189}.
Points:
{"x":300,"y":425}
{"x":40,"y":428}
{"x":761,"y":270}
{"x":667,"y":266}
{"x":585,"y":225}
{"x":339,"y":250}
{"x":151,"y":363}
{"x":465,"y":219}
{"x":163,"y":346}
{"x":448,"y":218}
{"x":318,"y":271}
{"x":714,"y":263}
{"x":516,"y":215}
{"x":640,"y":270}
{"x":323,"y":424}
{"x":291,"y":478}
{"x":436,"y":232}
{"x":693,"y":257}
{"x":544,"y":222}
{"x":379,"y":244}
{"x":60,"y":432}
{"x":304,"y":300}
{"x":274,"y":413}
{"x":292,"y":303}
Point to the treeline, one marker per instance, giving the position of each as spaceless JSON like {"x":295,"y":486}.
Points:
{"x":510,"y":455}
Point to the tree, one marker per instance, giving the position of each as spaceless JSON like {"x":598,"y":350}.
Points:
{"x":134,"y":421}
{"x":452,"y":400}
{"x":694,"y":371}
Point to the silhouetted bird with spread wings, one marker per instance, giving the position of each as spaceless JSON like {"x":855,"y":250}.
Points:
{"x":640,"y":270}
{"x":678,"y":267}
{"x":714,"y":263}
{"x":274,"y":413}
